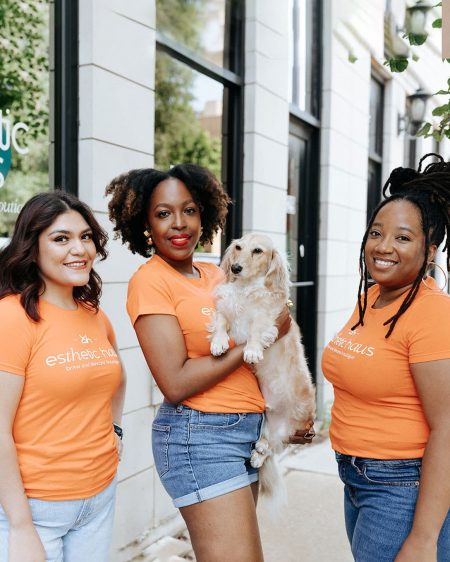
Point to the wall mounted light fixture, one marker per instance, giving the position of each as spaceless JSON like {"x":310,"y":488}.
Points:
{"x":416,"y":108}
{"x":416,"y":17}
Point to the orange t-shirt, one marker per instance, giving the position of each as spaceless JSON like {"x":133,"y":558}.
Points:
{"x":157,"y":288}
{"x":377,"y":412}
{"x":63,"y":425}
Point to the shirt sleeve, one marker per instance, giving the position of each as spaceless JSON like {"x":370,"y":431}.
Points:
{"x":16,"y":337}
{"x":149,"y":295}
{"x":429,"y":338}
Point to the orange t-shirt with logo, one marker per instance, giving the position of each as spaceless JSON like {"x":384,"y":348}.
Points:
{"x":157,"y":288}
{"x":63,"y":425}
{"x":377,"y":412}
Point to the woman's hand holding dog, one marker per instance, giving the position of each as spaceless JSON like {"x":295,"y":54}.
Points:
{"x":283,"y":322}
{"x":303,"y":436}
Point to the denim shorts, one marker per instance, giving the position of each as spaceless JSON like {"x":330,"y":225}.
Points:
{"x":379,"y":501}
{"x":201,"y":455}
{"x":70,"y":530}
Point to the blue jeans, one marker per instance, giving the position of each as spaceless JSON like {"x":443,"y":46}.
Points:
{"x":71,"y":530}
{"x":200,"y":455}
{"x":379,"y":501}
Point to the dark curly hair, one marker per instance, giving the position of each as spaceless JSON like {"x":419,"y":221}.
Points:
{"x":429,"y":191}
{"x":19,"y":273}
{"x":131,"y":193}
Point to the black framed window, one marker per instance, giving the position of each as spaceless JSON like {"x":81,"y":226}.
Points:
{"x":38,"y":102}
{"x":375,"y":145}
{"x":305,"y":56}
{"x":198,"y":93}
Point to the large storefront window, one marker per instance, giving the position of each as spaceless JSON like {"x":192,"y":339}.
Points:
{"x":198,"y":91}
{"x":24,"y":105}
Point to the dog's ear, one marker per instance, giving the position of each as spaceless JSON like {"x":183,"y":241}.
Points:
{"x":277,"y":276}
{"x":227,"y":261}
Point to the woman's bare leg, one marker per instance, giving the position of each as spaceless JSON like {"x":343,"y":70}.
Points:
{"x":225,"y":528}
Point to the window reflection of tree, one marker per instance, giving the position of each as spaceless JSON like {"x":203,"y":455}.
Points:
{"x":179,"y":134}
{"x":24,"y":91}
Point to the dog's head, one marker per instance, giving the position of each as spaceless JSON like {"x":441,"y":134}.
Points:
{"x":252,"y":257}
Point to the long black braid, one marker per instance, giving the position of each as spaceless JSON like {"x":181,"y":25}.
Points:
{"x":429,"y":191}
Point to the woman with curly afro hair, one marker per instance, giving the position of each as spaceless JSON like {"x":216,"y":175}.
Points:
{"x":212,"y":412}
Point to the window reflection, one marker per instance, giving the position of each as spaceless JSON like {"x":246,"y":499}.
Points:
{"x":198,"y":25}
{"x":188,"y":118}
{"x":304,"y":55}
{"x":24,"y":108}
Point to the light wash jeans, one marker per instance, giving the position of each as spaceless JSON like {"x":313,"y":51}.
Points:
{"x":71,"y":531}
{"x":379,"y":501}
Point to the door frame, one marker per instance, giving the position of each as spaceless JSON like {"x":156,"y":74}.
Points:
{"x":308,"y":234}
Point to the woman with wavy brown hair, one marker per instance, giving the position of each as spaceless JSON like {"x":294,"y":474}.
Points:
{"x":61,"y":388}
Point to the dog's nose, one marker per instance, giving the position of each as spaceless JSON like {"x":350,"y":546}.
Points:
{"x":236,"y":268}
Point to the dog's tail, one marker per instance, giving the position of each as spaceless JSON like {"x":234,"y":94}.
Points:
{"x":272,"y":486}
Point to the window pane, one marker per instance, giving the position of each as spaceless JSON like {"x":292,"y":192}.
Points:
{"x":376,"y":118}
{"x":188,"y":118}
{"x":199,"y":25}
{"x":304,"y":55}
{"x":24,"y":106}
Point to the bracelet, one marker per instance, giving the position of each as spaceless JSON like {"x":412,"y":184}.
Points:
{"x":118,"y":430}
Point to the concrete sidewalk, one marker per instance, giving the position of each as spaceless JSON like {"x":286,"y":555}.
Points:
{"x":309,"y":528}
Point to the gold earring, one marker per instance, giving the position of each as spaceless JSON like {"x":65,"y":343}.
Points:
{"x":434,"y":264}
{"x":148,"y":235}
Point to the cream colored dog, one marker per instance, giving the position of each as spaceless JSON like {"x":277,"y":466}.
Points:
{"x":247,"y":305}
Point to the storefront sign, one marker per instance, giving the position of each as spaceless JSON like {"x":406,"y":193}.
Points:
{"x":9,"y":138}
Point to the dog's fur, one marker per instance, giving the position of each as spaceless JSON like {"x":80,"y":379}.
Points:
{"x":247,"y":306}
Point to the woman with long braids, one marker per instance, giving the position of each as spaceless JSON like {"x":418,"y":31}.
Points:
{"x":390,"y":368}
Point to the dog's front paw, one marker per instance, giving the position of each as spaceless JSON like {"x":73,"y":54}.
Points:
{"x":262,"y":446}
{"x":256,"y":459}
{"x":269,"y":337}
{"x":253,"y":355}
{"x":219,"y":344}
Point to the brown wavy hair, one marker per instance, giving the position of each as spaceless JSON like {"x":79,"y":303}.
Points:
{"x":19,"y":273}
{"x":131,"y":193}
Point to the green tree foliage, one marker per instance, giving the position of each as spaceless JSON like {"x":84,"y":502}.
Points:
{"x":24,"y":61}
{"x":179,"y":136}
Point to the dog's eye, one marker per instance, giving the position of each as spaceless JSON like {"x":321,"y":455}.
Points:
{"x":238,"y":248}
{"x":257,"y":251}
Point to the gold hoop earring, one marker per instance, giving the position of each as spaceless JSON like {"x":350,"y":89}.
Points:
{"x":148,"y":235}
{"x":434,"y":264}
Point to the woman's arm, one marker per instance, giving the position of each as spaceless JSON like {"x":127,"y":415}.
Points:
{"x":119,"y":395}
{"x":177,"y":376}
{"x":24,"y":542}
{"x":433,"y":386}
{"x":117,"y":404}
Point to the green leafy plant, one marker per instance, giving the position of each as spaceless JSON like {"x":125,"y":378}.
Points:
{"x":400,"y":64}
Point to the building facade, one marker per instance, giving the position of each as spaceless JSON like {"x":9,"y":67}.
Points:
{"x":288,"y":102}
